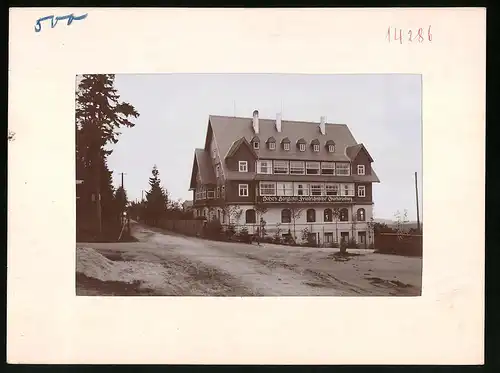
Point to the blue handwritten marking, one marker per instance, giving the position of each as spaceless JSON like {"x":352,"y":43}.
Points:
{"x":53,"y":21}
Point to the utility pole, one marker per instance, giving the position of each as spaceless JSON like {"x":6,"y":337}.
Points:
{"x":416,"y":197}
{"x":122,"y":173}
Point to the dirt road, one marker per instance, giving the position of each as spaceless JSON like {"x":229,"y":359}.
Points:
{"x":162,"y":263}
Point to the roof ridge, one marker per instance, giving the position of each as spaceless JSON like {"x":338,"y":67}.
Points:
{"x":274,"y":119}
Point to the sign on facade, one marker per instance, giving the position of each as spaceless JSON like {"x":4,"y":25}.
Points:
{"x":303,"y":199}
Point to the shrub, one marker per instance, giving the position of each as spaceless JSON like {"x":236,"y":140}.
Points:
{"x":213,"y":230}
{"x":244,"y":236}
{"x":268,"y":239}
{"x":334,"y":244}
{"x":230,"y":231}
{"x":352,"y":244}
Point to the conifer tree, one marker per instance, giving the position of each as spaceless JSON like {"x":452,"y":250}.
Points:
{"x":155,"y":199}
{"x":99,"y":115}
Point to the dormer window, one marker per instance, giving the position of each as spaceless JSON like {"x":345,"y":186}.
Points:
{"x":286,"y":144}
{"x":330,"y":146}
{"x":315,"y":145}
{"x":255,"y":143}
{"x":271,"y":143}
{"x":301,"y":144}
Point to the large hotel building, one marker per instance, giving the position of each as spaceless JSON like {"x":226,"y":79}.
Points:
{"x":296,"y":176}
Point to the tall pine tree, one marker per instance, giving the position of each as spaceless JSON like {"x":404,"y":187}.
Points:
{"x":99,"y":116}
{"x":155,"y":199}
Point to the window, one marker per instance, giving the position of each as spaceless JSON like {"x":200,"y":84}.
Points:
{"x":286,"y":216}
{"x":302,"y":147}
{"x":332,"y":189}
{"x":316,"y":189}
{"x":301,"y":189}
{"x":272,"y":145}
{"x":284,"y":189}
{"x":331,"y":148}
{"x":361,"y":191}
{"x":264,"y":167}
{"x":344,"y":215}
{"x":297,"y":168}
{"x":243,"y":190}
{"x":360,"y":215}
{"x":223,"y":191}
{"x":255,"y":145}
{"x":223,"y":216}
{"x":217,"y":170}
{"x":362,"y":238}
{"x":281,"y":167}
{"x":312,"y":168}
{"x":250,"y":216}
{"x":343,"y":169}
{"x":327,"y":168}
{"x":218,"y":193}
{"x":286,"y":146}
{"x":311,"y":215}
{"x":328,"y":237}
{"x":210,"y":194}
{"x":243,"y":166}
{"x":316,"y":148}
{"x":328,"y":215}
{"x":347,"y":190}
{"x":361,"y":169}
{"x":267,"y":189}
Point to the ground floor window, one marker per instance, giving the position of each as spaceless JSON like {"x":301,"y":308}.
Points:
{"x":362,"y":238}
{"x":328,"y":215}
{"x":328,"y":237}
{"x":286,"y":216}
{"x":344,"y":215}
{"x":344,"y":237}
{"x":250,"y":216}
{"x":311,"y":216}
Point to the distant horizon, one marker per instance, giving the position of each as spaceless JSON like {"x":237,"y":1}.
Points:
{"x":383,"y":111}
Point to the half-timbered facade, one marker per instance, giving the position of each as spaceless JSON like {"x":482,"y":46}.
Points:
{"x":295,"y":176}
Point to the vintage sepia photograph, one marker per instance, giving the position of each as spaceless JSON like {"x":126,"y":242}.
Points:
{"x":248,"y":185}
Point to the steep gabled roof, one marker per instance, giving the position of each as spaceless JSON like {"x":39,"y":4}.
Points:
{"x":227,"y":129}
{"x":315,"y":142}
{"x":271,"y":139}
{"x":353,"y":151}
{"x":202,"y":165}
{"x":236,"y":145}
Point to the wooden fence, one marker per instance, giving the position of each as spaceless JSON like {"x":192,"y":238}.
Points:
{"x":399,"y":243}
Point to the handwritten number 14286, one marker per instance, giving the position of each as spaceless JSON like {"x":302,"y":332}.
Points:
{"x":418,"y":35}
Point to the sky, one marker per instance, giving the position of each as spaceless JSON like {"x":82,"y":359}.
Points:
{"x":383,"y":111}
